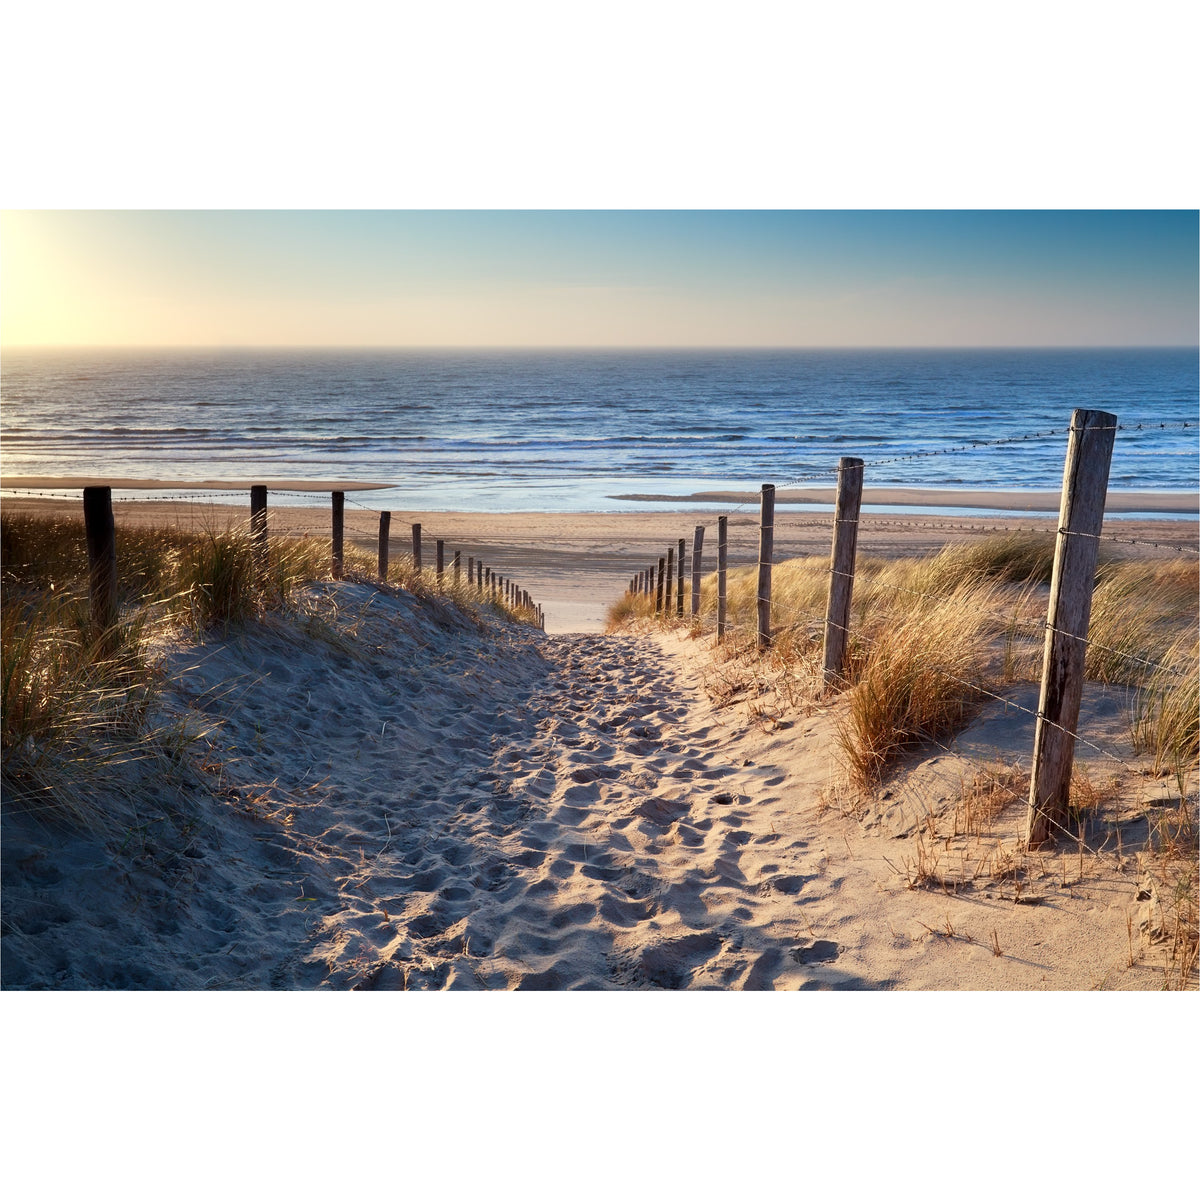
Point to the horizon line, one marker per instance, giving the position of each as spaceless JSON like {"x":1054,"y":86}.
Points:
{"x":549,"y":346}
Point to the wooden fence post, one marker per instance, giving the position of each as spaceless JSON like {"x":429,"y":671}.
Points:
{"x":258,"y":526}
{"x":440,"y":557}
{"x":722,"y":564}
{"x":658,"y":594}
{"x":339,"y":513}
{"x":385,"y":527}
{"x":697,"y":547}
{"x":457,"y":565}
{"x":416,"y":540}
{"x":679,"y":582}
{"x":670,"y":577}
{"x":1081,"y":516}
{"x":101,"y":532}
{"x":841,"y":567}
{"x":766,"y":547}
{"x":471,"y":569}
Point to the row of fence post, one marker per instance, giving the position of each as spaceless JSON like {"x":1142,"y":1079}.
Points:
{"x":1085,"y":485}
{"x":100,"y":532}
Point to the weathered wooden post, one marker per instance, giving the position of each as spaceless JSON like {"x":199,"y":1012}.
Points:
{"x":258,"y":527}
{"x":722,"y":564}
{"x":670,"y":576}
{"x":440,"y":558}
{"x":339,"y":515}
{"x":416,"y":543}
{"x":385,"y":527}
{"x":679,"y":582}
{"x":471,"y":569}
{"x":101,"y":533}
{"x":697,"y":547}
{"x":658,"y":593}
{"x":841,"y":567}
{"x":1081,"y":516}
{"x":766,"y":546}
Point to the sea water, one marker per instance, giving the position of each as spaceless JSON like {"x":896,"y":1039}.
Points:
{"x":500,"y":431}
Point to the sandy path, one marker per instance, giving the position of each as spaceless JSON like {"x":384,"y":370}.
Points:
{"x":420,"y":802}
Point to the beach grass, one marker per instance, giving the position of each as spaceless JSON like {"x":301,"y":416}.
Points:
{"x":931,"y":637}
{"x":77,"y":705}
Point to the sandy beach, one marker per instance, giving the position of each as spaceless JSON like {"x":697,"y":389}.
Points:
{"x":417,"y":800}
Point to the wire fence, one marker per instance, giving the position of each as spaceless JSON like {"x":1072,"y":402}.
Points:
{"x":1148,"y":670}
{"x":488,"y":584}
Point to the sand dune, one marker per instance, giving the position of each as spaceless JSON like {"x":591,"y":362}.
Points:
{"x":389,"y":794}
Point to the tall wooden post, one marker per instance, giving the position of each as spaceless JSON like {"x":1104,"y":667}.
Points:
{"x":385,"y":528}
{"x":658,"y":595}
{"x":670,"y":577}
{"x":1081,"y":517}
{"x":679,"y":582}
{"x":722,"y":564}
{"x":339,"y":515}
{"x":697,"y":547}
{"x":416,"y":540}
{"x":101,"y":532}
{"x":440,"y":557}
{"x":766,"y":547}
{"x":471,"y":569}
{"x":258,"y":527}
{"x":841,"y":567}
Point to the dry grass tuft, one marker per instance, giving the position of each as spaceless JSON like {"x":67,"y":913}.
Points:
{"x":75,"y":708}
{"x":919,"y":680}
{"x":1173,"y":879}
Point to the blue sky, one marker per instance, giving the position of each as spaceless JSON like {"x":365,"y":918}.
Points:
{"x":615,"y":278}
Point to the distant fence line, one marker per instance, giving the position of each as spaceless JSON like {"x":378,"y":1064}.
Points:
{"x":1090,"y":440}
{"x":100,"y":533}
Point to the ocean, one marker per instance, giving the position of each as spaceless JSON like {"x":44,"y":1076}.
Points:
{"x":579,"y":431}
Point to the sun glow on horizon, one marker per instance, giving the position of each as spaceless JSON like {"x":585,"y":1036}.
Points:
{"x":602,"y":279}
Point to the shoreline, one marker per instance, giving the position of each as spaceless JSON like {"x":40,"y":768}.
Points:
{"x":1118,"y":501}
{"x":577,"y":564}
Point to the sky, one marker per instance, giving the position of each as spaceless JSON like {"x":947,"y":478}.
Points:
{"x":704,"y":277}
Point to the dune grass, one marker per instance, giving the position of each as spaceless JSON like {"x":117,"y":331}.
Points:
{"x":927,"y":633}
{"x":75,"y":704}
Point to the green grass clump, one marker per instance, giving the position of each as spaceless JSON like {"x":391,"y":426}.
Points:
{"x":918,"y":679}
